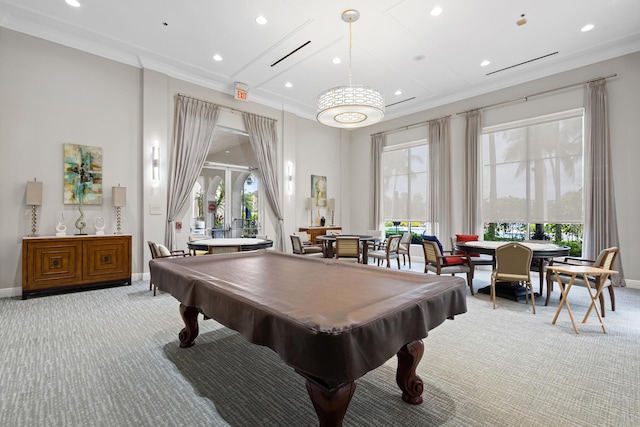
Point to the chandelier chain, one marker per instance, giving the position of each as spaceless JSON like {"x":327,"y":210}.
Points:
{"x":350,"y":48}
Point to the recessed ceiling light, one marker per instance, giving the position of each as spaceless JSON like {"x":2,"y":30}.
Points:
{"x":398,"y":92}
{"x":217,"y":57}
{"x":73,"y":3}
{"x":227,"y":151}
{"x":261,"y":20}
{"x":336,"y":60}
{"x":418,"y":57}
{"x":288,"y":84}
{"x":485,"y":63}
{"x":436,"y":11}
{"x":587,"y":27}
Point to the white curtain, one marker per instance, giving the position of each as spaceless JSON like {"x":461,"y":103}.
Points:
{"x":471,"y":141}
{"x":263,"y":137}
{"x":600,"y":220}
{"x":439,"y":208}
{"x":377,"y":144}
{"x":194,"y":125}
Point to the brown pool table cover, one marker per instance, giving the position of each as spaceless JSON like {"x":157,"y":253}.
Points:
{"x":328,"y":319}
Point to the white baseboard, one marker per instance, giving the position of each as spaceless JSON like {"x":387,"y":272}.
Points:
{"x":17,"y":291}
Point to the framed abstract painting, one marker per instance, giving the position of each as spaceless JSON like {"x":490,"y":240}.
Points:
{"x":319,"y":190}
{"x":82,"y":175}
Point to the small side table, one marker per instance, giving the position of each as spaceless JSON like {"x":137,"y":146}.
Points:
{"x":573,"y":271}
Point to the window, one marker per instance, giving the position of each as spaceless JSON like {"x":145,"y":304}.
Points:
{"x":405,"y":189}
{"x":532,"y":170}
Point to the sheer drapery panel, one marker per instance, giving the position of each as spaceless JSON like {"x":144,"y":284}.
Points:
{"x":194,"y":126}
{"x":600,"y":219}
{"x":263,"y":137}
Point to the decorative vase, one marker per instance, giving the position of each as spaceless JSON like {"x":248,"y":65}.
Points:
{"x":322,"y":221}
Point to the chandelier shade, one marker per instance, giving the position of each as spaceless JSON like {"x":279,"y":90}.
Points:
{"x":350,"y":106}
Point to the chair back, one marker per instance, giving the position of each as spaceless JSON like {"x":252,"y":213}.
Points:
{"x":393,"y":243}
{"x":513,"y":259}
{"x":405,"y":241}
{"x":154,"y":249}
{"x":296,"y":243}
{"x":431,"y":252}
{"x":348,"y":247}
{"x":606,"y":258}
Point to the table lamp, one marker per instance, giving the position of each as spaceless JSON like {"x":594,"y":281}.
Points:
{"x":34,"y":199}
{"x":311,"y":205}
{"x":332,"y":207}
{"x":119,"y":198}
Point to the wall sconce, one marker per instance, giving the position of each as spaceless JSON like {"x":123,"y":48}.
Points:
{"x":311,"y":205}
{"x":332,"y":207}
{"x":34,"y":199}
{"x":119,"y":198}
{"x":155,"y":163}
{"x":289,"y":178}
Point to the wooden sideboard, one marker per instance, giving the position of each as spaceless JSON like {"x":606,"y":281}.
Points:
{"x":63,"y":263}
{"x":317,"y":231}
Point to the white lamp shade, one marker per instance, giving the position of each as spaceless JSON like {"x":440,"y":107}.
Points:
{"x":332,"y":204}
{"x":119,"y":196}
{"x":311,"y":203}
{"x":34,"y":193}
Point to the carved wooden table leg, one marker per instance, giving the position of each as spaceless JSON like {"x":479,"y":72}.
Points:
{"x":411,"y":385}
{"x":330,"y":404}
{"x":190,"y":331}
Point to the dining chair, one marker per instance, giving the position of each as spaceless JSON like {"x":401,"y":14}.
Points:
{"x":388,"y":252}
{"x":512,"y":265}
{"x":436,"y":262}
{"x":348,"y":247}
{"x":161,"y":251}
{"x":476,"y":259}
{"x":378,"y":236}
{"x":605,"y":260}
{"x":404,"y":247}
{"x":301,"y":249}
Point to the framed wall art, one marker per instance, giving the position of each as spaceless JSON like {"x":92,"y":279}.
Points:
{"x":82,"y":175}
{"x":319,"y":190}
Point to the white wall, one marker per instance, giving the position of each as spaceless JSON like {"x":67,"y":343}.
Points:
{"x":624,"y":110}
{"x":51,"y":95}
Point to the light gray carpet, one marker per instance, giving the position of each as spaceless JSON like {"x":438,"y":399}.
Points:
{"x":110,"y":357}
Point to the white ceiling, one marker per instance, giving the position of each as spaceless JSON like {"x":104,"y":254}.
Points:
{"x":386,"y":40}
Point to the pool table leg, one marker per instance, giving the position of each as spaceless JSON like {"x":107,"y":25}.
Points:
{"x":190,"y":331}
{"x":330,"y":402}
{"x":411,"y":385}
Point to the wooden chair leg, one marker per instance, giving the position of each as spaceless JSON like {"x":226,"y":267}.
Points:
{"x":155,"y":288}
{"x":601,"y":298}
{"x":612,"y":297}
{"x":470,"y":282}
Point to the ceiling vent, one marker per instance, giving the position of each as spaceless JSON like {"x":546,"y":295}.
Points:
{"x":522,"y":63}
{"x":291,"y":53}
{"x":400,"y":102}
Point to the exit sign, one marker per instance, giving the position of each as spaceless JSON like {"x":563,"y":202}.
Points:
{"x":241,"y":94}
{"x":241,"y":91}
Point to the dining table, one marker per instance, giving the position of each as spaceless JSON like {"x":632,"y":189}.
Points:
{"x":542,"y":251}
{"x":329,"y":240}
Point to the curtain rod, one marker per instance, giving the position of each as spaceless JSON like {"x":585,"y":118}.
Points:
{"x":526,"y":98}
{"x":224,"y":107}
{"x":407,"y":127}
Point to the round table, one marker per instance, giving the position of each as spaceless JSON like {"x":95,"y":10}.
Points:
{"x":541,"y":251}
{"x":245,"y":243}
{"x":328,"y":240}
